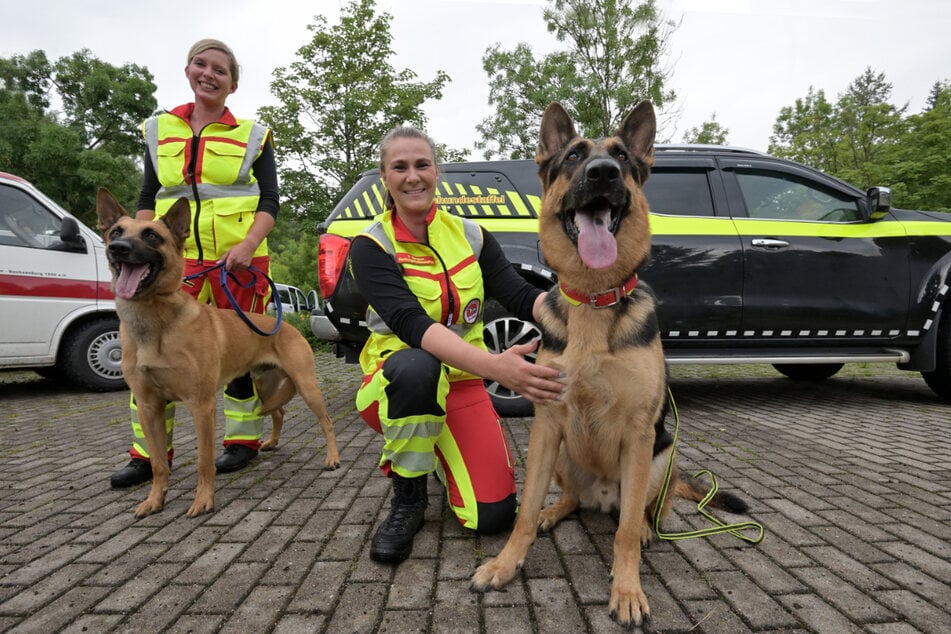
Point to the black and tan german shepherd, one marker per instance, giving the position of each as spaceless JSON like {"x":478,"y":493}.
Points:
{"x":177,"y":349}
{"x":605,"y":441}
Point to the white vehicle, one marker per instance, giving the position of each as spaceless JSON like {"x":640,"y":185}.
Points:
{"x":57,"y":314}
{"x":293,"y":300}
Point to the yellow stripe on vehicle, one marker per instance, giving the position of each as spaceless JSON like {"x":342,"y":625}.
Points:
{"x":521,"y":220}
{"x":519,"y":204}
{"x":720,"y":226}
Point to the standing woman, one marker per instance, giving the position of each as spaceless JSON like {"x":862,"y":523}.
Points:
{"x":225,"y":166}
{"x":426,"y":274}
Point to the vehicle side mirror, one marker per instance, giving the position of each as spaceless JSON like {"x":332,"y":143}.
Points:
{"x":879,"y":201}
{"x":70,"y":238}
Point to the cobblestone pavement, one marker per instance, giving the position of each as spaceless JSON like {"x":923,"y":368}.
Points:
{"x":851,"y":478}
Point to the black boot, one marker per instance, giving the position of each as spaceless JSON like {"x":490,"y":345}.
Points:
{"x":136,"y":472}
{"x":234,"y":457}
{"x":393,"y":541}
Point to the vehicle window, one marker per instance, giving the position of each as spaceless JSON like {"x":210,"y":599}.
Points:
{"x":299,"y":299}
{"x":684,"y":193}
{"x":24,"y":222}
{"x":284,"y":296}
{"x":780,"y":196}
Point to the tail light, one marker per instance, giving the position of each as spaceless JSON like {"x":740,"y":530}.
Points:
{"x":331,"y":260}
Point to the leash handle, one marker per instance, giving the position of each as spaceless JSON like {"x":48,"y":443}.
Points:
{"x":719,"y":527}
{"x":255,"y":271}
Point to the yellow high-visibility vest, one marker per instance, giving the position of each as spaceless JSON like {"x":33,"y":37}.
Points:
{"x":223,"y":192}
{"x":444,"y":275}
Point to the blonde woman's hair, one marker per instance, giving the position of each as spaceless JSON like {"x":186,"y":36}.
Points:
{"x":402,"y":132}
{"x":208,"y":43}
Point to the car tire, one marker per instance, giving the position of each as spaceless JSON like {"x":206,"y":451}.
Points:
{"x":808,"y":371}
{"x":500,"y":335}
{"x":939,"y":379}
{"x":91,"y":356}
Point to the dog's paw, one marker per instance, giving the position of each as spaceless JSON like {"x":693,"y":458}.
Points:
{"x":629,"y":609}
{"x":492,"y":575}
{"x":331,"y":463}
{"x":201,"y":506}
{"x":269,"y":445}
{"x":147,"y":508}
{"x":546,"y":520}
{"x":647,"y":534}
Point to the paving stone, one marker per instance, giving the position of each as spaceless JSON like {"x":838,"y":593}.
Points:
{"x":857,"y":517}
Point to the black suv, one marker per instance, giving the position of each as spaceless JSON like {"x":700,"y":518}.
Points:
{"x":754,"y":259}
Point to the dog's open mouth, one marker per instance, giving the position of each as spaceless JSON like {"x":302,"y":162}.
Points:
{"x":133,"y":277}
{"x":592,"y":228}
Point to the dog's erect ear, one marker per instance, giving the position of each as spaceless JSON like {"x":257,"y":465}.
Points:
{"x":108,"y":210}
{"x":638,"y":131}
{"x":178,"y":220}
{"x":556,"y":131}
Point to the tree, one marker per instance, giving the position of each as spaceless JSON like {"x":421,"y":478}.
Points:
{"x":337,"y":101}
{"x":710,"y":132}
{"x":849,"y":139}
{"x":72,"y":126}
{"x":870,"y":125}
{"x":865,"y":140}
{"x":936,"y":96}
{"x":614,"y":57}
{"x":807,"y":133}
{"x":922,"y":161}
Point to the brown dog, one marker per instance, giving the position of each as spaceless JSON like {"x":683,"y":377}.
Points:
{"x":176,"y":349}
{"x":605,"y":440}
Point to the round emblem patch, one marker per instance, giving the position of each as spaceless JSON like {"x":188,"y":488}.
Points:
{"x":471,"y":313}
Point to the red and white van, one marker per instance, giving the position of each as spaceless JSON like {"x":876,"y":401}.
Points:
{"x":57,"y":314}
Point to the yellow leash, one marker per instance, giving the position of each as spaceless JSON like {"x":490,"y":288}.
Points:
{"x":719,"y":527}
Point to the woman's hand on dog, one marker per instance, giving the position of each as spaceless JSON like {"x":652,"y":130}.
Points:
{"x":537,"y":383}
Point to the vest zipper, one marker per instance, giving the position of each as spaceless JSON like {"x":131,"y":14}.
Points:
{"x":196,"y":144}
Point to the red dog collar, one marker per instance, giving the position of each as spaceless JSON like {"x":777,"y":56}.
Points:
{"x":603,"y":299}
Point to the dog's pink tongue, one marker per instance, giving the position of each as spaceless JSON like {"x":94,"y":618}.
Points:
{"x":596,"y":244}
{"x":129,"y":278}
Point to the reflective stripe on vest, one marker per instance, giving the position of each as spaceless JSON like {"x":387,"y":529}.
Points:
{"x":444,"y":275}
{"x":225,"y":212}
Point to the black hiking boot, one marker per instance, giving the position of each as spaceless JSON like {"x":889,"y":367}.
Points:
{"x":136,"y":472}
{"x":393,"y":541}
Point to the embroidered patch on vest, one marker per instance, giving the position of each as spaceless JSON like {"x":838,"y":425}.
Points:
{"x":471,"y":314}
{"x":417,"y":260}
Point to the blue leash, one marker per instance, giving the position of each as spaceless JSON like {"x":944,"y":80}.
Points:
{"x":234,"y":304}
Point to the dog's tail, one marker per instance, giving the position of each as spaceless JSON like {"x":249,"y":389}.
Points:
{"x":694,"y":488}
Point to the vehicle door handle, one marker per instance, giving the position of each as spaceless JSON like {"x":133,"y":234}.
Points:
{"x":769,"y":243}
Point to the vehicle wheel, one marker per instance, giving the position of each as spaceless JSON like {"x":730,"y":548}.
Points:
{"x":808,"y":371}
{"x":92,"y":356}
{"x":501,"y":334}
{"x":939,"y":379}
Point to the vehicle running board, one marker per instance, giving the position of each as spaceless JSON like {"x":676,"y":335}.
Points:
{"x":675,"y":357}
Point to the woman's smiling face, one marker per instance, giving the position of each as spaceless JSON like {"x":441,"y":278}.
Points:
{"x":209,"y":75}
{"x":410,"y":174}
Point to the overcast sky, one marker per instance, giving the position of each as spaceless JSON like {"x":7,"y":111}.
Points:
{"x":741,"y":59}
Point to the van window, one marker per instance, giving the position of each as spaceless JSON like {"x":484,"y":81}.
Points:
{"x":24,"y":222}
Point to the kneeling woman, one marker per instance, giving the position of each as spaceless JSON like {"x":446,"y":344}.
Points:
{"x":426,"y":274}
